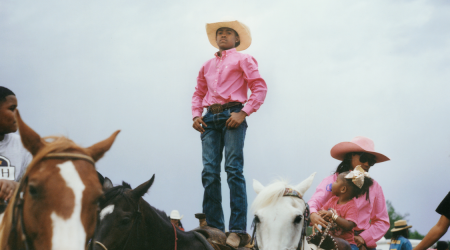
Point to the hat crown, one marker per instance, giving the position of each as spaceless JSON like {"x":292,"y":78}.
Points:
{"x":175,"y":215}
{"x":364,"y":142}
{"x":400,"y":223}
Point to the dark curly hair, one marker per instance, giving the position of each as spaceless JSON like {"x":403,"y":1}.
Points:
{"x":404,"y":233}
{"x":356,"y":191}
{"x":4,"y":92}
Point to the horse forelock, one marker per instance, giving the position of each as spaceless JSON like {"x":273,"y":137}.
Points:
{"x":270,"y":194}
{"x":52,"y":144}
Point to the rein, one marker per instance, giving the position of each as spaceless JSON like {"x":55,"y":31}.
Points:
{"x":19,"y":201}
{"x":306,"y":213}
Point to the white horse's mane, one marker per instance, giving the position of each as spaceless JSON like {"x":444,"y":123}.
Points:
{"x":270,"y":194}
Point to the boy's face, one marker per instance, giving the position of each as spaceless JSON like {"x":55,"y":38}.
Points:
{"x":226,"y":38}
{"x":7,"y":120}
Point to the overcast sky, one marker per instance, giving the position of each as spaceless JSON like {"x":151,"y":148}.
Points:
{"x":334,"y":70}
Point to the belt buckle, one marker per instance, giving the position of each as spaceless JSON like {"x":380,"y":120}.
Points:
{"x":216,"y":108}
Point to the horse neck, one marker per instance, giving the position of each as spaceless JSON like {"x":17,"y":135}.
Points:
{"x":157,"y":232}
{"x":160,"y":233}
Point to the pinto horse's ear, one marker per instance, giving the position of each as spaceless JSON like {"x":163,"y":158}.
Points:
{"x":304,"y":185}
{"x":143,"y":188}
{"x":97,"y":150}
{"x":257,"y":186}
{"x":107,"y":184}
{"x":30,"y":139}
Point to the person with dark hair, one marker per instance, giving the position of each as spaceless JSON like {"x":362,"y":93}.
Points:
{"x":222,"y":86}
{"x":441,"y":227}
{"x":400,"y":235}
{"x":442,"y":245}
{"x":373,"y":220}
{"x":14,"y":158}
{"x":341,"y":208}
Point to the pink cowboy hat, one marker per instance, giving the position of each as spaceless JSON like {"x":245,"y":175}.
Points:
{"x":358,"y":144}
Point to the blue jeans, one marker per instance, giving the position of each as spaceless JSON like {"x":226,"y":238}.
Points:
{"x":354,"y":247}
{"x":215,"y":138}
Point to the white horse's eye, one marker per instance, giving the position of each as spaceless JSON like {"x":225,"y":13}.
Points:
{"x":257,"y":220}
{"x":298,"y":219}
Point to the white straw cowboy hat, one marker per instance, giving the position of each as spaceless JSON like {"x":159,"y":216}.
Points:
{"x":358,"y":144}
{"x":400,"y":225}
{"x":242,"y":30}
{"x":175,"y":215}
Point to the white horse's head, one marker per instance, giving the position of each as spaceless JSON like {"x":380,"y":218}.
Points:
{"x":279,"y":219}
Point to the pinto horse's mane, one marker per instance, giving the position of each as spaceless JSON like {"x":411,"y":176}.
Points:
{"x":113,"y":192}
{"x":52,"y":144}
{"x":270,"y":194}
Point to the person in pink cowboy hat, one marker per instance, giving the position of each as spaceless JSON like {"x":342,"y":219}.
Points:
{"x":373,"y":219}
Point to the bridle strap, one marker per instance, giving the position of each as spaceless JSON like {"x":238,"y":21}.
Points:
{"x":175,"y":232}
{"x":18,"y":203}
{"x":70,"y":156}
{"x":306,"y":213}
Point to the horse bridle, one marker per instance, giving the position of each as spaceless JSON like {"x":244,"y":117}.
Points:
{"x":306,"y":213}
{"x":136,"y":218}
{"x":19,"y":202}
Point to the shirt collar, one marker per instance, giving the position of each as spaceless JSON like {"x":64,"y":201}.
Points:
{"x":226,"y":52}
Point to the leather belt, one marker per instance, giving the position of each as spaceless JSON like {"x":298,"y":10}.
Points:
{"x":219,"y":108}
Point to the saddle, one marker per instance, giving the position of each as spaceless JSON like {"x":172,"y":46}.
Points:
{"x":329,"y":242}
{"x":213,"y":236}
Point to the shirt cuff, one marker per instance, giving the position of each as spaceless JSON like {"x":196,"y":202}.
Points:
{"x":247,"y":109}
{"x":195,"y":114}
{"x":370,"y":242}
{"x":312,"y":210}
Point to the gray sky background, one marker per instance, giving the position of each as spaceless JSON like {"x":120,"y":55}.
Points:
{"x":334,"y":70}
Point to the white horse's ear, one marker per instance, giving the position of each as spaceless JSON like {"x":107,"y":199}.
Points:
{"x":304,"y":185}
{"x":257,"y":186}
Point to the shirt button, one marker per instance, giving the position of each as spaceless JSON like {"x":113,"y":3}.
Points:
{"x":226,"y":66}
{"x":214,"y":91}
{"x":216,"y":80}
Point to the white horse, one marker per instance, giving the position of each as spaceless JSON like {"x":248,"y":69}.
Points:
{"x":279,"y":215}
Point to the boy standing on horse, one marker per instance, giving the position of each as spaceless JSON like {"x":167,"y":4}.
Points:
{"x":14,"y":158}
{"x":222,"y":86}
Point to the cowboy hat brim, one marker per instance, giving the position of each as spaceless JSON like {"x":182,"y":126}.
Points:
{"x":400,"y":229}
{"x":341,"y":149}
{"x":242,"y":30}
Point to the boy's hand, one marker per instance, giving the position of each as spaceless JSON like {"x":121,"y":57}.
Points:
{"x":235,"y":120}
{"x":198,"y":122}
{"x":7,"y":188}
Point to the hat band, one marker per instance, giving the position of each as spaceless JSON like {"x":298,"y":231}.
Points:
{"x":396,"y":227}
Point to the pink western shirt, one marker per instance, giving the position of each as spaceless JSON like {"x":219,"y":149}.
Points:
{"x":227,"y":79}
{"x":373,"y":217}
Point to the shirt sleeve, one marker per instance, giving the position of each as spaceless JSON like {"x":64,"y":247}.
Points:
{"x":200,"y":91}
{"x":406,"y":245}
{"x":444,"y":207}
{"x":352,"y":214}
{"x":27,"y":159}
{"x":256,"y":84}
{"x":379,"y":218}
{"x":321,"y":196}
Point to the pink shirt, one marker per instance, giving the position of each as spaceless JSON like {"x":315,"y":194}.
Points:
{"x":227,"y":79}
{"x":347,"y":211}
{"x":372,"y":216}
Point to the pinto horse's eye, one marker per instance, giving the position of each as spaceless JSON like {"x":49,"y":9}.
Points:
{"x":298,"y":219}
{"x":33,"y":191}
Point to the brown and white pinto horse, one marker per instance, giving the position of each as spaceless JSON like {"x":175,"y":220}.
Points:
{"x":56,"y":204}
